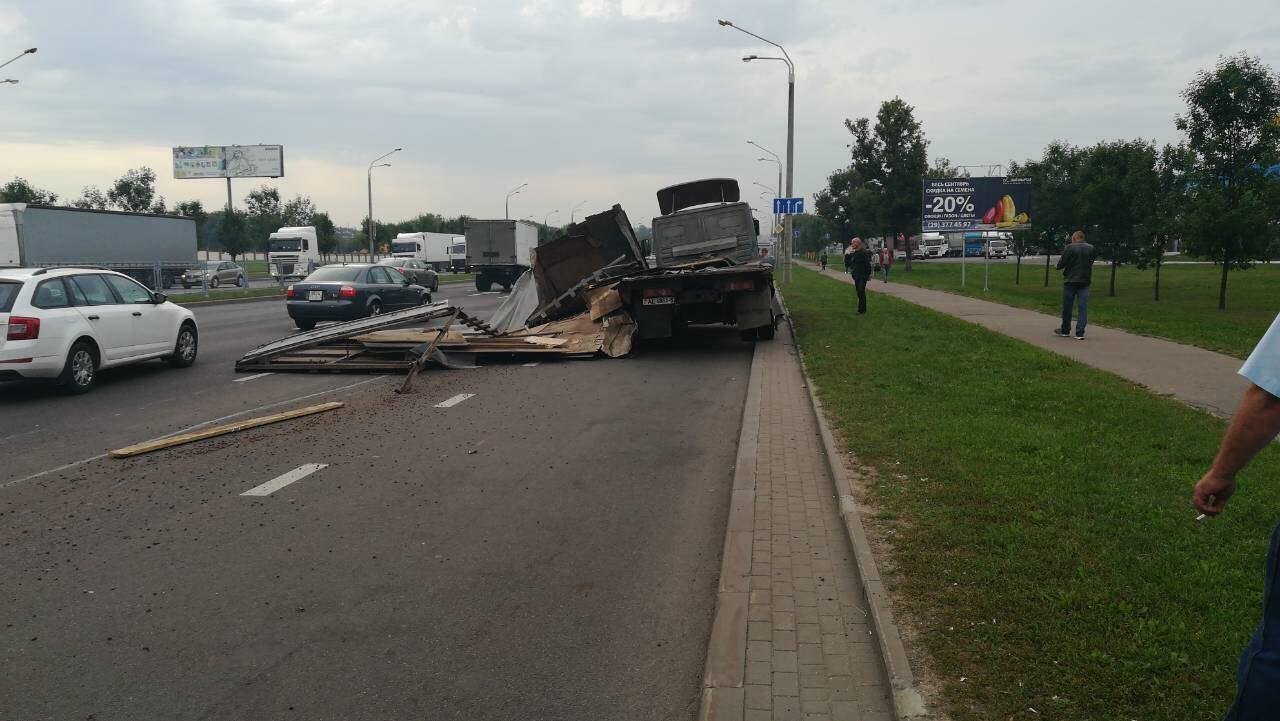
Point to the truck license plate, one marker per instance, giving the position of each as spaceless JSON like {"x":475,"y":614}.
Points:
{"x":315,"y":295}
{"x":660,"y":300}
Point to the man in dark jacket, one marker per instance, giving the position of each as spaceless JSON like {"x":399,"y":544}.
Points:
{"x":857,"y":261}
{"x":1076,"y":265}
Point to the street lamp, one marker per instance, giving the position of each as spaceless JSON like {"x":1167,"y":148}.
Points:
{"x":548,"y":217}
{"x":506,"y":204}
{"x":791,"y":123}
{"x":28,"y":51}
{"x":575,"y":210}
{"x":369,"y":228}
{"x":8,"y":80}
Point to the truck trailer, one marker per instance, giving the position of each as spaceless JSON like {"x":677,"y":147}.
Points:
{"x":434,"y":249}
{"x":152,"y":249}
{"x":499,"y":251}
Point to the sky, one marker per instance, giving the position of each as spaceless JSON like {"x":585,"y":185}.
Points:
{"x":591,"y":102}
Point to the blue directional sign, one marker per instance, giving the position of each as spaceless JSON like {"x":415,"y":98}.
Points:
{"x":788,"y":206}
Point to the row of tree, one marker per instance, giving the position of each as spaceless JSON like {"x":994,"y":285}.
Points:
{"x":1212,"y":191}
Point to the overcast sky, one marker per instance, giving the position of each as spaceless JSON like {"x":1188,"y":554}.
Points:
{"x":602,"y":101}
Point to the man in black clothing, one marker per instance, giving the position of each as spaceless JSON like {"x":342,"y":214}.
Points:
{"x":1076,"y":265}
{"x":857,"y":261}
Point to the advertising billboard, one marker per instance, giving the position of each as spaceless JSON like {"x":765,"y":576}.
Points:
{"x":960,"y":204}
{"x":228,"y":161}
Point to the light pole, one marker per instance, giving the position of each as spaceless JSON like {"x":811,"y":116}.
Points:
{"x":548,"y":217}
{"x":574,"y":211}
{"x":8,"y":80}
{"x":369,"y":228}
{"x":791,"y":135}
{"x":28,"y":51}
{"x":778,"y":161}
{"x":506,"y":204}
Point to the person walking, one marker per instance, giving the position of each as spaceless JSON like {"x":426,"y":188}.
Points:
{"x":1076,"y":265}
{"x":857,"y":262}
{"x":822,"y":261}
{"x":1255,"y":424}
{"x":886,"y":260}
{"x":765,"y":258}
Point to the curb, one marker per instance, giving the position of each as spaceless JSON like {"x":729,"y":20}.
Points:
{"x":726,"y":666}
{"x":228,"y":301}
{"x":908,"y":704}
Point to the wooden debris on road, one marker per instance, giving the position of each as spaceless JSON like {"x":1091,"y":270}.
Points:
{"x":182,"y":438}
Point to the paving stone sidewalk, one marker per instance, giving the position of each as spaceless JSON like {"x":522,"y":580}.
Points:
{"x":810,"y":650}
{"x":1200,"y":378}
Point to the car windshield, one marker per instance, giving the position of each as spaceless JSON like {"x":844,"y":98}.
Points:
{"x":8,"y":292}
{"x":335,"y":273}
{"x":286,"y":245}
{"x":459,"y":248}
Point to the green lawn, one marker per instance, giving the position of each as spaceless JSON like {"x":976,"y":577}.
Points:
{"x":255,"y":268}
{"x":1040,"y":518}
{"x":187,"y":298}
{"x":1187,"y":311}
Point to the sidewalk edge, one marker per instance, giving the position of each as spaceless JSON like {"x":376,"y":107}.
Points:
{"x":908,"y":704}
{"x":726,"y":664}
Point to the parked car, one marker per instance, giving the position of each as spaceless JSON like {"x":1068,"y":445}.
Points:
{"x":218,"y":272}
{"x":66,"y":324}
{"x":415,"y":270}
{"x":350,"y":291}
{"x":899,"y":254}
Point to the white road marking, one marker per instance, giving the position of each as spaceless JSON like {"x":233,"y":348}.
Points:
{"x":487,"y":292}
{"x":197,"y":427}
{"x":252,"y":377}
{"x":284,"y":479}
{"x":454,"y":400}
{"x":534,"y":364}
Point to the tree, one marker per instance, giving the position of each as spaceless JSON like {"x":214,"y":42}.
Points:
{"x":229,"y":230}
{"x":326,"y":234}
{"x":158,"y":206}
{"x":264,"y":216}
{"x":1163,"y":218}
{"x":194,"y":209}
{"x":1116,"y":185}
{"x":298,"y":212}
{"x":1232,"y":136}
{"x":19,"y":190}
{"x":91,"y":198}
{"x":134,"y":191}
{"x":1053,"y":197}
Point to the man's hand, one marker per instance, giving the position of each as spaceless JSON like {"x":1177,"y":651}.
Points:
{"x":1212,"y":493}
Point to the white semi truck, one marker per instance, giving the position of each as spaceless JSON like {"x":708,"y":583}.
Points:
{"x":434,"y":249}
{"x":293,"y":252}
{"x":153,"y":249}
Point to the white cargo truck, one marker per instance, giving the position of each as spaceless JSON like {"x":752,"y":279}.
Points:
{"x":498,"y":251}
{"x":293,"y":252}
{"x":931,"y":245}
{"x":430,"y":248}
{"x":153,"y":249}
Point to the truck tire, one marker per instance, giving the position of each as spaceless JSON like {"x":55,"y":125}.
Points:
{"x":483,"y":283}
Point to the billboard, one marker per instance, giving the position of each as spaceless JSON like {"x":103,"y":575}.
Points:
{"x":228,"y":161}
{"x":959,"y":204}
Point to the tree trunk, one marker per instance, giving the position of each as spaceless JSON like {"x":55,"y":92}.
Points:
{"x":1114,"y":264}
{"x":907,"y":236}
{"x":1222,"y":288}
{"x":1017,"y":270}
{"x":1158,"y":264}
{"x":1047,"y":257}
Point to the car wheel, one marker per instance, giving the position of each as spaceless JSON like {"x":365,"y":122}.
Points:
{"x":240,"y":282}
{"x":435,"y":286}
{"x":81,"y":370}
{"x":213,"y":283}
{"x":375,"y":308}
{"x":425,"y":299}
{"x":305,"y":324}
{"x":186,"y":347}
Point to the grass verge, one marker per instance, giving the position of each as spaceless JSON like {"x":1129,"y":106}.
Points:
{"x":1039,"y":516}
{"x":186,"y":298}
{"x":1187,"y":312}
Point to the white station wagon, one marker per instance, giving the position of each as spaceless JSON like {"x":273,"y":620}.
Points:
{"x":65,"y":324}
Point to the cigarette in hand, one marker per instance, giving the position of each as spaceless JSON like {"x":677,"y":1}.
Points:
{"x":1201,"y":517}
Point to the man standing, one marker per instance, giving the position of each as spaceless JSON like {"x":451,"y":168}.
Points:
{"x":822,"y":261}
{"x":1076,"y":265}
{"x":857,"y":261}
{"x":1256,"y":423}
{"x":886,"y":260}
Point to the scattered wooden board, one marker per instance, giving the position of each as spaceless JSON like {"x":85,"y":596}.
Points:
{"x":178,"y":440}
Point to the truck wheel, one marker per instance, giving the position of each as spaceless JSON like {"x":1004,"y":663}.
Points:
{"x":483,"y":283}
{"x":185,"y":348}
{"x":81,"y":370}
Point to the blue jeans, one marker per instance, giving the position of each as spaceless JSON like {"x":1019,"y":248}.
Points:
{"x":1071,"y":293}
{"x":1258,"y":694}
{"x":885,"y":268}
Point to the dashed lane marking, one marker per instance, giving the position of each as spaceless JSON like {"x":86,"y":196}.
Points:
{"x":284,"y":479}
{"x":533,"y":364}
{"x":454,"y":400}
{"x":255,"y":376}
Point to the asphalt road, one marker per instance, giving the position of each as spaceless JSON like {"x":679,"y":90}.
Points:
{"x":547,"y":547}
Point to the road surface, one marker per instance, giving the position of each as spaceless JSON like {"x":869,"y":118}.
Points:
{"x":509,"y":542}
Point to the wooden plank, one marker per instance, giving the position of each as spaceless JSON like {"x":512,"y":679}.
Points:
{"x":178,"y":440}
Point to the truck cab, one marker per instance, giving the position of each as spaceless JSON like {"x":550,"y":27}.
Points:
{"x":293,"y":253}
{"x":931,"y":245}
{"x":458,"y":254}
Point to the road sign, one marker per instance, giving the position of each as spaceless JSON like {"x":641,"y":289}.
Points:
{"x":788,"y":206}
{"x":795,"y":234}
{"x":777,"y":230}
{"x":826,"y":236}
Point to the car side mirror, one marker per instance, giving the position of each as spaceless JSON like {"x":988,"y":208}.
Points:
{"x":158,"y":298}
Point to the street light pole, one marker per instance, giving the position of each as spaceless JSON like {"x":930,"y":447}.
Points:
{"x":506,"y":204}
{"x":574,"y":211}
{"x":775,"y":159}
{"x":369,"y":228}
{"x":548,"y":217}
{"x":791,"y":146}
{"x":28,"y":51}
